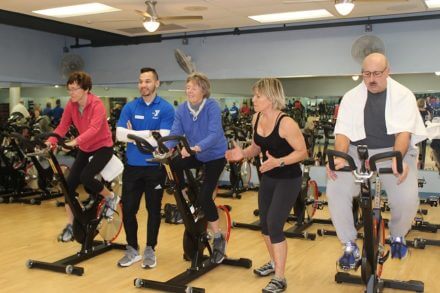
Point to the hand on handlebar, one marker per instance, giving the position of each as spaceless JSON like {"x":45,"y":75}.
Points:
{"x":400,"y":177}
{"x":184,"y":152}
{"x":339,"y":164}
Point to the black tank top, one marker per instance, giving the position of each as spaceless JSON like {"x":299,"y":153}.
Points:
{"x":278,"y":147}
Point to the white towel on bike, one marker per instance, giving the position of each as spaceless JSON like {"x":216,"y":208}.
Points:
{"x":112,"y":170}
{"x":401,"y":113}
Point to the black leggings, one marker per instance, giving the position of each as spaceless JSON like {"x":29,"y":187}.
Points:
{"x":276,"y":198}
{"x":213,"y":170}
{"x":84,"y":172}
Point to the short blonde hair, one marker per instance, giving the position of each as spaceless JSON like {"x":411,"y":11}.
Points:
{"x":273,"y":90}
{"x":202,"y":81}
{"x":421,"y":103}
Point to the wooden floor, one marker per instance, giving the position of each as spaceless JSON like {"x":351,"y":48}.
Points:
{"x":29,"y":232}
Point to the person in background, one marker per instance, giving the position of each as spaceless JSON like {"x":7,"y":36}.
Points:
{"x":87,"y":113}
{"x":43,"y":121}
{"x":233,"y":112}
{"x":47,"y":111}
{"x":426,"y":116}
{"x":20,"y":108}
{"x":57,"y":113}
{"x":245,"y":110}
{"x":279,"y":140}
{"x":141,"y":117}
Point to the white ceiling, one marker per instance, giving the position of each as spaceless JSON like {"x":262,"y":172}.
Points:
{"x":219,"y":14}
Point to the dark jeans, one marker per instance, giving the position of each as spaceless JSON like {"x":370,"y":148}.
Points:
{"x":213,"y":170}
{"x":84,"y":172}
{"x":137,"y":180}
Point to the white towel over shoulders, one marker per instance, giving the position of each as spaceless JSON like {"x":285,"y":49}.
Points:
{"x":401,"y":113}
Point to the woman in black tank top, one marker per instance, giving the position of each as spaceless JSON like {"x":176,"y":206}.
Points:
{"x":280,"y":143}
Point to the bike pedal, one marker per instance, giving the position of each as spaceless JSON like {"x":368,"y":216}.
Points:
{"x":384,"y":258}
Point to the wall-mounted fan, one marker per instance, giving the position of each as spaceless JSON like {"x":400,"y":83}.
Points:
{"x":152,"y":20}
{"x":71,"y":63}
{"x":366,"y":45}
{"x":184,"y":61}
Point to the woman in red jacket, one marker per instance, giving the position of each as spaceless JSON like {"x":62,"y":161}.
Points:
{"x":87,"y":113}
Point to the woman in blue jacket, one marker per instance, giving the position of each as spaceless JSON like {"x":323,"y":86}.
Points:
{"x":199,"y":120}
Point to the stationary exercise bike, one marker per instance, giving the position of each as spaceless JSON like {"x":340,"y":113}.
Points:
{"x":373,"y":251}
{"x":196,"y":238}
{"x":239,"y":172}
{"x":89,"y":220}
{"x":39,"y":175}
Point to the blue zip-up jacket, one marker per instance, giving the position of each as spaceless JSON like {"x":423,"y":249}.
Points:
{"x":206,"y":131}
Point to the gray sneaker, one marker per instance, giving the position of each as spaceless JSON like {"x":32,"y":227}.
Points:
{"x":131,"y":256}
{"x":265,"y":270}
{"x":111,"y":205}
{"x":219,"y":249}
{"x":276,"y":285}
{"x":67,"y":234}
{"x":149,"y":258}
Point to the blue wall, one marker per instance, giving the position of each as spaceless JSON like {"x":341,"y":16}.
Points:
{"x":32,"y":56}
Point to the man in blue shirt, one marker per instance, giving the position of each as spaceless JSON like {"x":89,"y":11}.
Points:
{"x":48,"y":110}
{"x":234,"y":112}
{"x":56,"y":113}
{"x":141,"y":117}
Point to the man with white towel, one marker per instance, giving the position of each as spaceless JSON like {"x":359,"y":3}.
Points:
{"x":382,"y":114}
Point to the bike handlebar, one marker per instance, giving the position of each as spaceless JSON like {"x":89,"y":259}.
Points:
{"x":25,"y":142}
{"x":387,"y":155}
{"x":331,"y":160}
{"x":372,"y":161}
{"x":143,"y":145}
{"x":42,"y":137}
{"x":181,"y":139}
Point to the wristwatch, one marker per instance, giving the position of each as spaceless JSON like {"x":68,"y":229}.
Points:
{"x":282,"y":164}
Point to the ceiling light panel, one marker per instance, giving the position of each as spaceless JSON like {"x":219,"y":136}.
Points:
{"x":432,"y":4}
{"x":77,"y":10}
{"x":292,"y":16}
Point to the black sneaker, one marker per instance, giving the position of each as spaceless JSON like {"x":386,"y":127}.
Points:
{"x":275,"y":285}
{"x":265,"y":270}
{"x":219,"y":249}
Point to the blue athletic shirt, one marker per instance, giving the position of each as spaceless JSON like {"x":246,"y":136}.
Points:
{"x":158,"y":115}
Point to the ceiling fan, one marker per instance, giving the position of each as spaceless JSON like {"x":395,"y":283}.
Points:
{"x":152,"y":21}
{"x":344,"y":7}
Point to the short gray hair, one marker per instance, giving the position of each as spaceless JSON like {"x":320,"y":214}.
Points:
{"x":202,"y":81}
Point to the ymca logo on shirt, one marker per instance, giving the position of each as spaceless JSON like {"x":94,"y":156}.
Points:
{"x":156,"y":114}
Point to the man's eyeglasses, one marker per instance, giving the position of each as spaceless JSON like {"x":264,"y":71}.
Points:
{"x":368,"y":74}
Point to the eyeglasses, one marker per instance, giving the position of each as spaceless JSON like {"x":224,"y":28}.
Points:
{"x":73,"y":90}
{"x":368,"y":74}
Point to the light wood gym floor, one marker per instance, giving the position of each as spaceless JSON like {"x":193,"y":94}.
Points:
{"x":30,"y":232}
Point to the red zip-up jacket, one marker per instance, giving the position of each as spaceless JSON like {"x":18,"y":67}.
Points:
{"x":94,"y":132}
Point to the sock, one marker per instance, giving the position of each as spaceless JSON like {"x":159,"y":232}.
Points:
{"x":281,"y":279}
